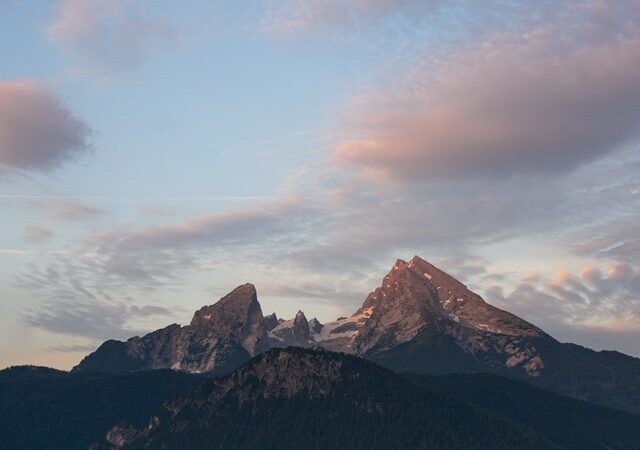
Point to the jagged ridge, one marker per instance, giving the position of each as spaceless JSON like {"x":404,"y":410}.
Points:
{"x":419,"y":320}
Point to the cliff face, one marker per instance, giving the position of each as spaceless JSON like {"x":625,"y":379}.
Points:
{"x":219,"y":338}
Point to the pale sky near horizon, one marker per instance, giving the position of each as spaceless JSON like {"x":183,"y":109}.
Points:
{"x":155,"y":154}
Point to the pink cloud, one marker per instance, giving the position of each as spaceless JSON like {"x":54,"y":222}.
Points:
{"x":37,"y":131}
{"x":108,"y":35}
{"x":545,"y":101}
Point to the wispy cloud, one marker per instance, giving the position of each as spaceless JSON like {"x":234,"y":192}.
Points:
{"x":71,"y":300}
{"x":66,"y":210}
{"x":221,"y":228}
{"x":15,"y":251}
{"x":78,"y":316}
{"x":294,"y":17}
{"x":38,"y":234}
{"x":75,"y":348}
{"x":106,"y":36}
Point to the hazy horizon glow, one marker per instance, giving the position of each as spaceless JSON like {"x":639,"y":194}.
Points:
{"x":153,"y":156}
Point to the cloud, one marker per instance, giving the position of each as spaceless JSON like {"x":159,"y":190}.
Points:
{"x":74,"y":348}
{"x":536,"y":104}
{"x":227,"y":227}
{"x":67,"y":210}
{"x":438,"y":220}
{"x":160,"y":253}
{"x":294,"y":17}
{"x":37,"y":132}
{"x":77,"y":316}
{"x":37,"y":234}
{"x":544,"y":101}
{"x":149,"y":258}
{"x":87,"y":291}
{"x":71,"y":301}
{"x":111,"y":36}
{"x":156,"y":212}
{"x":320,"y":289}
{"x":596,"y":302}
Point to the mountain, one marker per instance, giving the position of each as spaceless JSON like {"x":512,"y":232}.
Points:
{"x":302,"y":395}
{"x":219,"y":338}
{"x":570,"y":423}
{"x":298,"y":398}
{"x":46,"y":409}
{"x":419,"y":320}
{"x":425,"y":321}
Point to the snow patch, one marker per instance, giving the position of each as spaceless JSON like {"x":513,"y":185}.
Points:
{"x":285,"y":324}
{"x":327,"y":332}
{"x":273,"y":336}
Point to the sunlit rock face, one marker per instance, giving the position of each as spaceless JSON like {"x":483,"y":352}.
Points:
{"x":417,"y":298}
{"x":419,"y":320}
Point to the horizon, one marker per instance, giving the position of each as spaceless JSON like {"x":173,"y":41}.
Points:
{"x":153,"y":156}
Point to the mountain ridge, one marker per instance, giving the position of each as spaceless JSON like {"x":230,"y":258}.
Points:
{"x":317,"y":399}
{"x":419,"y":320}
{"x":43,"y":408}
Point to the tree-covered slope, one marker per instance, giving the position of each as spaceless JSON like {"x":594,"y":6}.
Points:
{"x":46,"y":409}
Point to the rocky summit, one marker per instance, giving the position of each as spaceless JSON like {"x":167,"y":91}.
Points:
{"x":419,"y":320}
{"x":219,"y":338}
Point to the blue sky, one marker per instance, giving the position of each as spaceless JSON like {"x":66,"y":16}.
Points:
{"x":154,"y":155}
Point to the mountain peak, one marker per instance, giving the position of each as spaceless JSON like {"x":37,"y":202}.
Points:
{"x":301,"y":326}
{"x":315,"y":326}
{"x":436,"y":276}
{"x":417,"y":296}
{"x":237,"y":304}
{"x":400,"y":263}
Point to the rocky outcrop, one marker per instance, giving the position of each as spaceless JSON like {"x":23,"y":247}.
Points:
{"x":219,"y":338}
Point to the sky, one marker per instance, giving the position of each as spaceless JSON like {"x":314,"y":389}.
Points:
{"x":155,"y":154}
